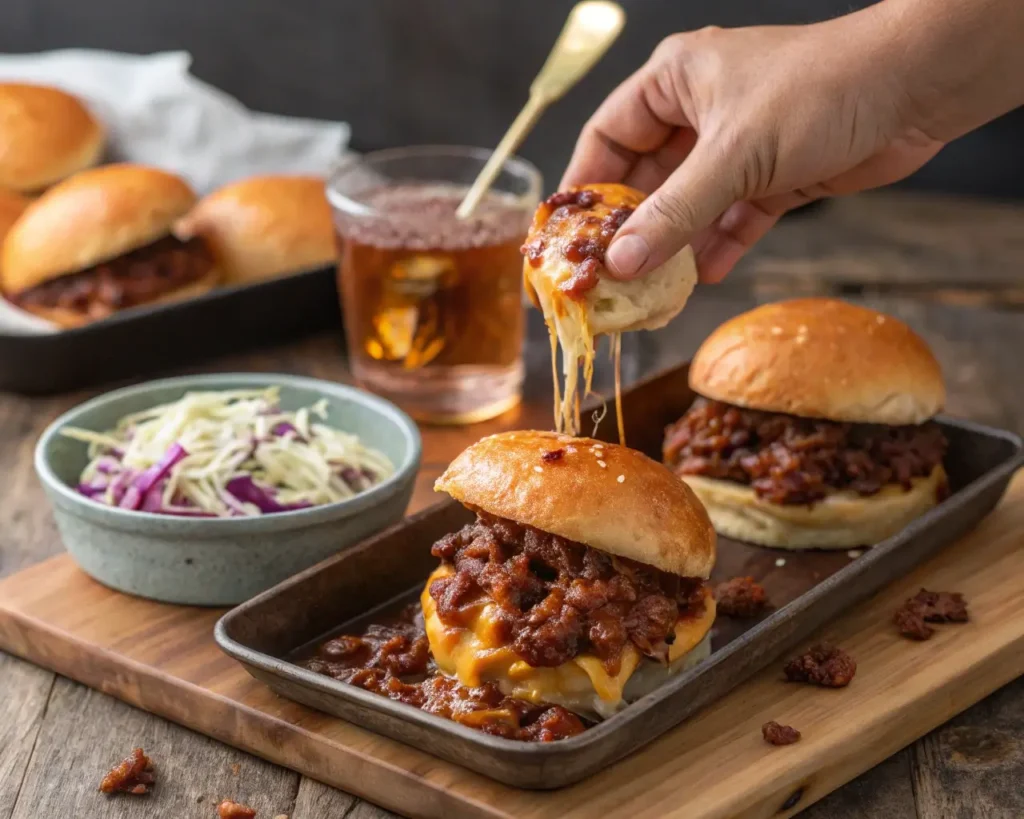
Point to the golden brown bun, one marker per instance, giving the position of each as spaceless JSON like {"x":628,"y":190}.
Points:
{"x":265,"y":226}
{"x":11,"y":207}
{"x":95,"y":216}
{"x":45,"y":136}
{"x":67,"y":319}
{"x":843,"y":520}
{"x":632,"y":506}
{"x":821,"y":358}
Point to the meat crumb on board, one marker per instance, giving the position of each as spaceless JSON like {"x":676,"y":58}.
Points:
{"x":775,"y":734}
{"x":823,"y":665}
{"x":913,"y":617}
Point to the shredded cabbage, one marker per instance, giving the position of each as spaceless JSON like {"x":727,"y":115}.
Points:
{"x":226,"y":454}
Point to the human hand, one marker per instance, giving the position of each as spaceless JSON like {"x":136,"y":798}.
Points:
{"x":729,"y":129}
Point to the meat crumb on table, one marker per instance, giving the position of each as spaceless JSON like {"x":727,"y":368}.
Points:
{"x":775,"y":734}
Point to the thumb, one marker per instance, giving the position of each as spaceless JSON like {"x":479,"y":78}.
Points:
{"x":696,"y":194}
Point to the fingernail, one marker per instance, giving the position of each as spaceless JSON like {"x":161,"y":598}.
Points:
{"x":627,"y":255}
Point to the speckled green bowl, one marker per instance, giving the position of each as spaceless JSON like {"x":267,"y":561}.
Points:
{"x":221,"y":561}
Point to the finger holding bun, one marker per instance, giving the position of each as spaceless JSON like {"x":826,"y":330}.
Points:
{"x":46,"y":135}
{"x":264,"y":227}
{"x":100,"y":242}
{"x":813,"y":426}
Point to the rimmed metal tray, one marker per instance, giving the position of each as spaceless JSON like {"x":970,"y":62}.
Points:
{"x":147,"y":340}
{"x":807,"y":590}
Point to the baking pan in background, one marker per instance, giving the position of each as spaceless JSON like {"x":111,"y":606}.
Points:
{"x":147,"y":340}
{"x":811,"y":588}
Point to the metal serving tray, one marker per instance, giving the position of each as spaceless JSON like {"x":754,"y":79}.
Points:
{"x":808,"y":590}
{"x":147,"y":340}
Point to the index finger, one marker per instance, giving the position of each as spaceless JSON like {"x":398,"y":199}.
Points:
{"x":623,"y":129}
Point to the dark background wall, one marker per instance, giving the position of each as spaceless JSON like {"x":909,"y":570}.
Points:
{"x":413,"y":71}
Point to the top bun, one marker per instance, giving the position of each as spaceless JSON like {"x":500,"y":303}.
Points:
{"x":264,"y":226}
{"x":95,"y":216}
{"x":613,"y":306}
{"x":45,"y":136}
{"x":821,"y":358}
{"x":603,"y":495}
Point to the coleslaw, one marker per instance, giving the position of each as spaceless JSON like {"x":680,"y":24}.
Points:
{"x":231,"y":453}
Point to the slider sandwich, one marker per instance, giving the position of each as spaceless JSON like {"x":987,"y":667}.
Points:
{"x":582,"y":582}
{"x":813,"y":426}
{"x":264,"y":227}
{"x":101,"y":242}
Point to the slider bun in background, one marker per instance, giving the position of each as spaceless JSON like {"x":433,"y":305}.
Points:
{"x":46,"y":135}
{"x":95,"y":216}
{"x":821,"y":358}
{"x":265,"y":226}
{"x":630,"y":506}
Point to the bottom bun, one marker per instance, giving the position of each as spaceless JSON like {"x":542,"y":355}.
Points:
{"x":843,"y":520}
{"x":68,"y":319}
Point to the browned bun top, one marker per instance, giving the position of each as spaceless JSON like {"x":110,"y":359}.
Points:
{"x":94,"y":216}
{"x":603,"y":495}
{"x":821,"y":358}
{"x":12,"y":205}
{"x":264,"y":226}
{"x":45,"y":136}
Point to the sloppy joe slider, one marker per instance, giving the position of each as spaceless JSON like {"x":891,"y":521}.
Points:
{"x":582,"y":582}
{"x":264,"y":226}
{"x":100,"y":242}
{"x":814,"y":426}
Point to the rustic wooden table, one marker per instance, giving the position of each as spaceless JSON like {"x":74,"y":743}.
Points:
{"x":953,"y":269}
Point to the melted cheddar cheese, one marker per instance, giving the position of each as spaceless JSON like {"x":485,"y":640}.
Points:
{"x":476,"y":654}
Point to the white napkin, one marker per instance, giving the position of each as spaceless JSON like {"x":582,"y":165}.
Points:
{"x":156,"y":113}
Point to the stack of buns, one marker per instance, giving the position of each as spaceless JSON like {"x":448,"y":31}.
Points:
{"x":80,"y":242}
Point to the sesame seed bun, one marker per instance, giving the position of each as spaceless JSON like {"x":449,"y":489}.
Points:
{"x":94,"y":216}
{"x":821,"y":358}
{"x":264,"y":227}
{"x":45,"y":136}
{"x":602,"y":495}
{"x":842,"y":520}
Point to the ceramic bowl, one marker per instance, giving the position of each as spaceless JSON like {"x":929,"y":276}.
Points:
{"x":221,"y":561}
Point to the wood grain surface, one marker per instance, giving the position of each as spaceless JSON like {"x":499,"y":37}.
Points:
{"x":971,"y":767}
{"x":162,"y":659}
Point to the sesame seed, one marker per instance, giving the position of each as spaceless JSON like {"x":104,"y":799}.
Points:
{"x":854,"y":553}
{"x":780,"y":562}
{"x":802,"y":329}
{"x":601,"y":464}
{"x":880,"y":319}
{"x":537,"y":469}
{"x":570,"y":449}
{"x":776,"y":331}
{"x":621,"y":478}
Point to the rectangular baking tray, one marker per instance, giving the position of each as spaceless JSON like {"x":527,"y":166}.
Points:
{"x":808,"y":590}
{"x":148,"y":340}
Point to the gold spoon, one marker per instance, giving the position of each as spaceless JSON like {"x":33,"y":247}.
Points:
{"x":588,"y":33}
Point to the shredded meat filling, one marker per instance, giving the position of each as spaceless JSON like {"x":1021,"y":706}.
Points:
{"x":393,"y":659}
{"x":135,"y":278}
{"x":558,"y":599}
{"x":791,"y":460}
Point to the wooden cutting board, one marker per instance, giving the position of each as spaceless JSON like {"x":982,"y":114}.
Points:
{"x":163,"y":659}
